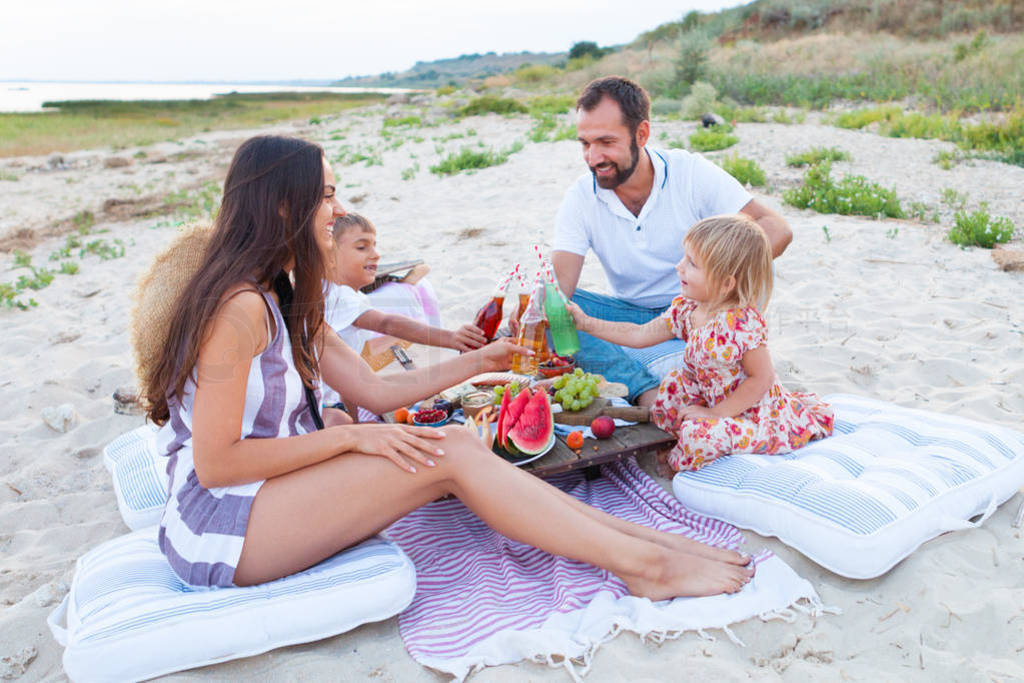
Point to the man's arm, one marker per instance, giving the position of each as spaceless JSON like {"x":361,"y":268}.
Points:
{"x":567,"y":270}
{"x":774,"y":225}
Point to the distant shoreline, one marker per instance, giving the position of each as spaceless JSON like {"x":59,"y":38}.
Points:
{"x":28,"y":96}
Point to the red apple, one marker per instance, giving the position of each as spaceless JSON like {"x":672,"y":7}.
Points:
{"x":603,"y":426}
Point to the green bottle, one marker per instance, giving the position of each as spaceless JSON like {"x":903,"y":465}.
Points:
{"x":563,"y":330}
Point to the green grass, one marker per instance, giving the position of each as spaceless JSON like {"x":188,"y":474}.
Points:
{"x":980,"y":229}
{"x":403,"y":121}
{"x":712,"y":139}
{"x":853,"y":195}
{"x":550,"y":104}
{"x":489,"y":104}
{"x":86,"y":124}
{"x":746,"y":171}
{"x":1001,"y":140}
{"x":472,"y":159}
{"x":815,"y":155}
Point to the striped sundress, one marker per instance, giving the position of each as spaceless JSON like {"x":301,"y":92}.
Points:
{"x":202,"y":530}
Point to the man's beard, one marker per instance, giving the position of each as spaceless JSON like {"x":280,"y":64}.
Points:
{"x":621,"y":174}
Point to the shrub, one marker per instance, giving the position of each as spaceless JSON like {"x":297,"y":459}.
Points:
{"x":853,"y":195}
{"x":816,"y":155}
{"x":534,"y":73}
{"x":445,"y":90}
{"x":585,"y":48}
{"x":489,"y":104}
{"x":665,"y":106}
{"x":703,"y":98}
{"x":858,"y":118}
{"x":580,"y":63}
{"x":470,"y":159}
{"x":691,"y":56}
{"x":711,"y":139}
{"x":565,"y":133}
{"x":403,"y":121}
{"x":746,"y":171}
{"x":546,"y":123}
{"x":550,"y":104}
{"x":980,"y":229}
{"x":947,"y":160}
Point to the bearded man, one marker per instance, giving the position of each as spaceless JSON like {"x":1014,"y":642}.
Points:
{"x":633,"y":209}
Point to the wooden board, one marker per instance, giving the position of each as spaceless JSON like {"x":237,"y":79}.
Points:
{"x":601,"y":406}
{"x":584,"y":416}
{"x":626,"y":441}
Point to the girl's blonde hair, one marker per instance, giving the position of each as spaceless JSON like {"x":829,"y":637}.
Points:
{"x":734,"y":247}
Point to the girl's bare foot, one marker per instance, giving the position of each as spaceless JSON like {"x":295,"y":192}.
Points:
{"x":661,"y":465}
{"x":687,"y":575}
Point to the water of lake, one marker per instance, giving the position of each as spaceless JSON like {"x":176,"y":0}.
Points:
{"x":24,"y":96}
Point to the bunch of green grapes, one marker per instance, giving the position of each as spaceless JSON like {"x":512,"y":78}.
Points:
{"x":499,"y":391}
{"x":576,"y":391}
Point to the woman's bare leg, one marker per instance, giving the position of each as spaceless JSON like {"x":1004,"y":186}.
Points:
{"x":669,"y":540}
{"x":305,"y":516}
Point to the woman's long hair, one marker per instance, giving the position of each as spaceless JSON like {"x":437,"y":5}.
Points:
{"x":272,"y":192}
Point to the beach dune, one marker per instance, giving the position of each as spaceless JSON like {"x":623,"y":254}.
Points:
{"x":882,"y":308}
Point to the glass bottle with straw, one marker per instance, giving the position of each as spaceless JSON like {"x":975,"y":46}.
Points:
{"x":488,"y":318}
{"x":532,"y":332}
{"x":564,"y":337}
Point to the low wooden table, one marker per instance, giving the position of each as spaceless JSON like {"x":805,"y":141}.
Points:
{"x":626,"y":441}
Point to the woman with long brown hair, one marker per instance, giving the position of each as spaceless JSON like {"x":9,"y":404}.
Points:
{"x":257,"y":492}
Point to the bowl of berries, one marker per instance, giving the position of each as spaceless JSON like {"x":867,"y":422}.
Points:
{"x":430,"y":417}
{"x":557,"y":365}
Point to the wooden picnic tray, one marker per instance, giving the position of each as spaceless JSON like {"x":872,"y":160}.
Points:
{"x":626,"y":441}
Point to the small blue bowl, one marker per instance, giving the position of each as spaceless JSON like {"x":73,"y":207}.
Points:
{"x":432,"y":424}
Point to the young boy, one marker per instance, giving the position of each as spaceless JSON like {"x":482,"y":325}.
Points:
{"x":355,"y":318}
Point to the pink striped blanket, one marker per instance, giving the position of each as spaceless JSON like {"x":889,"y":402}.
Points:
{"x":483,"y":599}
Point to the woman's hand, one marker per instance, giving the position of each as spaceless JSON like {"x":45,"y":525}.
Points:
{"x":401,"y":444}
{"x":467,"y":338}
{"x":497,"y":355}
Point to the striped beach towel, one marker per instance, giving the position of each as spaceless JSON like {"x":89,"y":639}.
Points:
{"x":482,"y":599}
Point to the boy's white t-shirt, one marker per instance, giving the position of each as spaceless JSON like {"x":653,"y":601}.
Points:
{"x":342,"y":305}
{"x":639,"y":253}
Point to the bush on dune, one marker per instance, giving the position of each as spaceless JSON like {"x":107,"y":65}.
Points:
{"x":980,"y":229}
{"x":746,"y":171}
{"x":853,"y":195}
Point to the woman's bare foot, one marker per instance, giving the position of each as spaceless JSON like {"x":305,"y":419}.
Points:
{"x":687,"y":575}
{"x":683,"y":544}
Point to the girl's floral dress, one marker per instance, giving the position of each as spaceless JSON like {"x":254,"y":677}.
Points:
{"x":780,"y":422}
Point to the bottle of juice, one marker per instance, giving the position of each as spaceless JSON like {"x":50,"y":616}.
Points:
{"x":564,"y":337}
{"x":488,"y":318}
{"x":524,"y":297}
{"x":532,"y":333}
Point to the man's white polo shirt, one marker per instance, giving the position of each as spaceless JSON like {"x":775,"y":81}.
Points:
{"x":639,"y":253}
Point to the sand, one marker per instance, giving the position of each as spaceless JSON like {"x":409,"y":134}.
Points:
{"x":888,"y":309}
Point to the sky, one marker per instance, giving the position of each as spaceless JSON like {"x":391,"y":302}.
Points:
{"x":235,"y":40}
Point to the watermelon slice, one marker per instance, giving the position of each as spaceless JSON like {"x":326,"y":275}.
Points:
{"x":502,"y":413}
{"x":510,"y":413}
{"x":532,"y":431}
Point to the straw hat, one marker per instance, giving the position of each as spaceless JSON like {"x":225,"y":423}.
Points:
{"x":157,"y":291}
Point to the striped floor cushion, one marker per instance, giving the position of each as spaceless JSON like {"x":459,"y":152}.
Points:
{"x":129,"y":617}
{"x":139,"y":476}
{"x":857,"y":503}
{"x":660,"y":358}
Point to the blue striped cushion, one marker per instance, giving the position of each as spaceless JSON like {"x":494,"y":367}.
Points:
{"x":660,"y":358}
{"x":859,"y":502}
{"x":129,"y":617}
{"x":139,"y":476}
